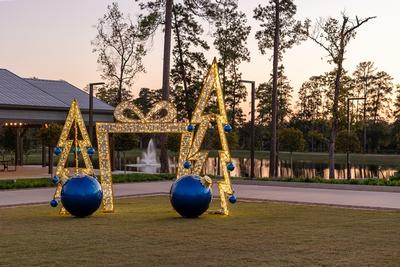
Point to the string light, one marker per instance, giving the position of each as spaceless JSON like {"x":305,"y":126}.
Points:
{"x":74,"y":119}
{"x":191,"y":140}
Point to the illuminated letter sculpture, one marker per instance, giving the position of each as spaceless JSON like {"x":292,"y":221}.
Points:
{"x":81,"y":146}
{"x":191,"y":158}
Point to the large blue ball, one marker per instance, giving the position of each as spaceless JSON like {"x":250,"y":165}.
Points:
{"x":81,"y":195}
{"x":189,"y":197}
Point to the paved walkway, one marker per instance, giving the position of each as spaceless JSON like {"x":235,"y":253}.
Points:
{"x":352,"y":198}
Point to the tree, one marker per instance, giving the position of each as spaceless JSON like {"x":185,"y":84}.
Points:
{"x":120,"y":48}
{"x":230,"y":40}
{"x":189,"y":60}
{"x":291,"y":139}
{"x":111,"y":96}
{"x":124,"y":142}
{"x":150,"y":22}
{"x":311,"y":99}
{"x":280,"y":31}
{"x":264,"y":93}
{"x":50,"y":134}
{"x":364,"y":73}
{"x":379,"y":97}
{"x":334,"y":36}
{"x":396,"y":112}
{"x":346,"y":141}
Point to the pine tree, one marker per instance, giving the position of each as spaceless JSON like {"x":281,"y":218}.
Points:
{"x":264,"y":106}
{"x":230,"y":39}
{"x":280,"y":31}
{"x":189,"y":63}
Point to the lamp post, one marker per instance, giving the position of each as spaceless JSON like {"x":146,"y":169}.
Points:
{"x":91,"y":85}
{"x":348,"y":133}
{"x":252,"y":134}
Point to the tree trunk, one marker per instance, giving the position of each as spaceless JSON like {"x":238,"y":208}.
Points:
{"x":182,"y":66}
{"x":332,"y":138}
{"x":165,"y":86}
{"x":272,"y":158}
{"x":291,"y":164}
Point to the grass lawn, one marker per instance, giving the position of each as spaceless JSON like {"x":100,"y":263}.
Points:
{"x":147,"y":232}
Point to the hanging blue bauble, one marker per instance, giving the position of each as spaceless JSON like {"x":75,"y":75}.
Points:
{"x":190,"y":128}
{"x":230,"y":166}
{"x":232,"y":199}
{"x":55,"y":179}
{"x":54,"y":203}
{"x":76,"y":149}
{"x":81,"y":195}
{"x":187,"y":165}
{"x":189,"y":196}
{"x":91,"y":151}
{"x":57,"y":151}
{"x":227,"y":128}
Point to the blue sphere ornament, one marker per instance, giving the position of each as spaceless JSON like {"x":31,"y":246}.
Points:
{"x":189,"y":196}
{"x":55,"y":179}
{"x":232,"y":199}
{"x":57,"y":151}
{"x":81,"y":195}
{"x":187,"y":165}
{"x":227,"y":128}
{"x":76,"y":149}
{"x":230,"y":166}
{"x":190,"y":128}
{"x":91,"y":151}
{"x":54,"y":203}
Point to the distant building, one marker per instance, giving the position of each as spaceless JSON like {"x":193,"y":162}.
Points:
{"x":36,"y":101}
{"x":27,"y":103}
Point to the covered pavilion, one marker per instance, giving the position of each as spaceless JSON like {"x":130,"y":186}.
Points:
{"x":28,"y":103}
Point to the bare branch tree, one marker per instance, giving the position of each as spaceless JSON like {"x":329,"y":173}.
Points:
{"x":334,"y":36}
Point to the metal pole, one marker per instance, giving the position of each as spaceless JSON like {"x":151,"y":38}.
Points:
{"x":91,"y":112}
{"x":348,"y":134}
{"x":252,"y":122}
{"x":253,"y":133}
{"x":348,"y":143}
{"x":91,"y":126}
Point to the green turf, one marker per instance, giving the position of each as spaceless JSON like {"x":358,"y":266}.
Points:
{"x":147,"y":232}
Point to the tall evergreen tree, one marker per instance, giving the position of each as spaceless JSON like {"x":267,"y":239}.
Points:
{"x":189,"y":62}
{"x":310,"y":101}
{"x":280,"y":31}
{"x":263,"y":94}
{"x":396,"y":111}
{"x":230,"y":39}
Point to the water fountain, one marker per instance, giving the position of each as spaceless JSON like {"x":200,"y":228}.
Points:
{"x":148,"y":162}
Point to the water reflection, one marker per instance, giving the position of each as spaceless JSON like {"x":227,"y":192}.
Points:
{"x":300,"y":169}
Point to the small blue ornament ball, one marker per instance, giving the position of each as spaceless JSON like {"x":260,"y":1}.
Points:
{"x":76,"y":149}
{"x":57,"y":151}
{"x":230,"y":166}
{"x":187,"y":165}
{"x":53,"y":203}
{"x":227,"y":128}
{"x":189,"y":196}
{"x":81,"y":196}
{"x":91,"y":151}
{"x":55,"y":179}
{"x":232,"y":199}
{"x":190,"y":128}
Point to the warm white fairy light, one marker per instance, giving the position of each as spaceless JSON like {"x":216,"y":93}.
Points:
{"x":191,"y":142}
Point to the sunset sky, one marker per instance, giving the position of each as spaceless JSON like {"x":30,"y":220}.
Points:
{"x":50,"y":39}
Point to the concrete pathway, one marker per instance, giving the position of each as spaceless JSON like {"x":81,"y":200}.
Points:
{"x":351,"y":198}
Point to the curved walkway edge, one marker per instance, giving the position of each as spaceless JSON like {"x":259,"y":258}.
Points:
{"x":267,"y":192}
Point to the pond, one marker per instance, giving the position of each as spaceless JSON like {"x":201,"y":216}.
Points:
{"x":300,"y":169}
